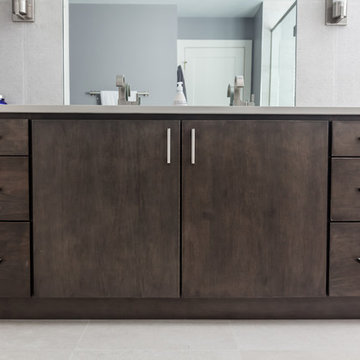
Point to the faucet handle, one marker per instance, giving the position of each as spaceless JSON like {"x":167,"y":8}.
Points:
{"x":139,"y":94}
{"x":120,"y":80}
{"x":239,"y":81}
{"x":143,"y":93}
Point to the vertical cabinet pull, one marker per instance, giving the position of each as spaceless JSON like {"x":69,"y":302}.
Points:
{"x":193,"y":141}
{"x":168,"y":146}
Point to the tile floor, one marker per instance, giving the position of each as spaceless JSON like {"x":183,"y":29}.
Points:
{"x":175,"y":340}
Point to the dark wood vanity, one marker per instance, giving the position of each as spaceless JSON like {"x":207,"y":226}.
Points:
{"x":179,"y":215}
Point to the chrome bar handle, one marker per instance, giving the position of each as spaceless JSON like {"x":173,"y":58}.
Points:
{"x":168,"y":146}
{"x":193,"y":143}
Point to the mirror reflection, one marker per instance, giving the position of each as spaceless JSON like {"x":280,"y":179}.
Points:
{"x":203,"y":53}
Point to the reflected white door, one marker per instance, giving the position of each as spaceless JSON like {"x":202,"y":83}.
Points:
{"x":211,"y":65}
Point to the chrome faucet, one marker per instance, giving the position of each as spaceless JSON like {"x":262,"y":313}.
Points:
{"x":124,"y":92}
{"x":237,"y":95}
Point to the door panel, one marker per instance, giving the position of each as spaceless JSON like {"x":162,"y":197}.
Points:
{"x":106,"y":208}
{"x":213,"y":64}
{"x":255,"y":209}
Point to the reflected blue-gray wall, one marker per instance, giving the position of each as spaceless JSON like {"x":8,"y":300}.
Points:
{"x":194,"y":28}
{"x":136,"y":40}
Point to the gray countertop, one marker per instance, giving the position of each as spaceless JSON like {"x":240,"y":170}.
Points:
{"x":97,"y":109}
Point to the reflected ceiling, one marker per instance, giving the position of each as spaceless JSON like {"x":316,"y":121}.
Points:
{"x":195,"y":8}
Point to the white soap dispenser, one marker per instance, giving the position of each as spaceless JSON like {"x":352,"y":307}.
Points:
{"x":180,"y":99}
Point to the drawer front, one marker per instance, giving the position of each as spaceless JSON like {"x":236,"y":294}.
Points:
{"x":14,"y":259}
{"x":346,"y":138}
{"x":344,"y":263}
{"x":345,"y":190}
{"x":14,"y":188}
{"x":14,"y":137}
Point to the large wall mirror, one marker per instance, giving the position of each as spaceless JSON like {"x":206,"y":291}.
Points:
{"x":204,"y":43}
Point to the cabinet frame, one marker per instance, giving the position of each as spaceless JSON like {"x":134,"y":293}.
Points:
{"x":246,"y":308}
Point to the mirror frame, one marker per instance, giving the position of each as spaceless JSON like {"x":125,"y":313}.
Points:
{"x":66,"y":54}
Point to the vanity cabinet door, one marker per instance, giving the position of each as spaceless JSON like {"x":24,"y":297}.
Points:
{"x":106,"y":208}
{"x":254,"y":208}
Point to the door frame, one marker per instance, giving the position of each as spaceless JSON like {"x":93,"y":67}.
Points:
{"x":245,"y":44}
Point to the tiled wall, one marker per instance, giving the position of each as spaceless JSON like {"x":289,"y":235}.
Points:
{"x":328,"y":58}
{"x":31,"y":55}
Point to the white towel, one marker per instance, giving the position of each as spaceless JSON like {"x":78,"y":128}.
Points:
{"x":132,"y":96}
{"x":109,"y":97}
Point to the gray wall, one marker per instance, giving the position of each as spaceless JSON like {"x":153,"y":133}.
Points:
{"x":193,"y":28}
{"x":328,"y":71}
{"x":138,"y":41}
{"x":31,"y":55}
{"x":257,"y":53}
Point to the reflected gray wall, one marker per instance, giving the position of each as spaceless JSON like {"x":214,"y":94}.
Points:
{"x":136,"y":40}
{"x":257,"y":53}
{"x":194,"y":28}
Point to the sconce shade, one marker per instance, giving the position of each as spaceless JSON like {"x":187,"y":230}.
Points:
{"x":23,"y":11}
{"x":336,"y":12}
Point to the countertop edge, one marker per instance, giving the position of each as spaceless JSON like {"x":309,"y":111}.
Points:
{"x":172,"y":110}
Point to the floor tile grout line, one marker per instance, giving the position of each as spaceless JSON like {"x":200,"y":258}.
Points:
{"x":79,"y":339}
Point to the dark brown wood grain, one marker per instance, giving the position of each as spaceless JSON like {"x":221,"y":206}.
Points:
{"x":255,"y":209}
{"x":14,"y":188}
{"x":344,"y":263}
{"x":13,"y":137}
{"x":275,"y":308}
{"x":14,"y":259}
{"x":345,"y":190}
{"x":346,"y":138}
{"x":106,"y":209}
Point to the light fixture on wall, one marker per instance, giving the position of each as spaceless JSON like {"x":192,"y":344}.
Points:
{"x":336,"y":12}
{"x":23,"y":10}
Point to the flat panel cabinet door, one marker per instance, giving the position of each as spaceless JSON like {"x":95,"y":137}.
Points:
{"x":106,"y":208}
{"x":254,"y":208}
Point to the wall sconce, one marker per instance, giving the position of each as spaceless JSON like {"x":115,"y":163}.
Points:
{"x":23,"y":10}
{"x":336,"y":12}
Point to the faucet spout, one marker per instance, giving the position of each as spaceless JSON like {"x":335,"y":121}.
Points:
{"x":239,"y":86}
{"x":124,"y":92}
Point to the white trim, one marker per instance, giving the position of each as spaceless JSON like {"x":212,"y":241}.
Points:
{"x":66,"y":53}
{"x":246,"y":44}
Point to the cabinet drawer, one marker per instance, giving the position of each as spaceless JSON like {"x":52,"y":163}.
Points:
{"x":14,"y":188}
{"x":14,"y":137}
{"x":346,"y":138}
{"x":15,"y":259}
{"x":345,"y":190}
{"x":344,"y":263}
